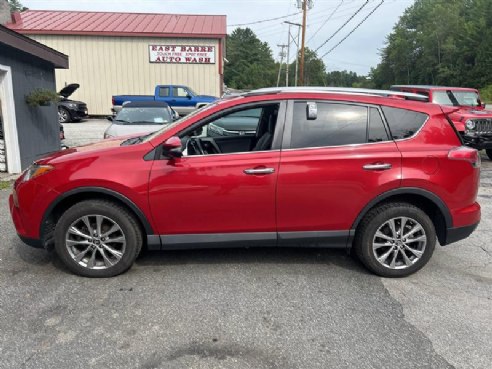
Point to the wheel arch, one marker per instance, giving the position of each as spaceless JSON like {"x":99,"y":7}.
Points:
{"x":429,"y":202}
{"x":64,"y":201}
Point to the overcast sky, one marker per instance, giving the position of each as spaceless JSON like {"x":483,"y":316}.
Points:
{"x":358,"y":53}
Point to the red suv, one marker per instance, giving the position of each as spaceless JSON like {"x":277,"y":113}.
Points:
{"x":381,"y":174}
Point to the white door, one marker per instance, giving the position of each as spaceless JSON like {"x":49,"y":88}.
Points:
{"x":3,"y":156}
{"x":9,"y":126}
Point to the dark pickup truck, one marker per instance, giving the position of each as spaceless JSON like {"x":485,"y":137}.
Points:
{"x":181,"y":98}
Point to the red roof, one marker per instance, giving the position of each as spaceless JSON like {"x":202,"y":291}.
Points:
{"x":44,"y":22}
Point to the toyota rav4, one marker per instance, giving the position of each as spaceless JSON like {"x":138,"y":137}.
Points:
{"x":373,"y":171}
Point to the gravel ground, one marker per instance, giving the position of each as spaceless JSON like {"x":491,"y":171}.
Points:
{"x":252,"y":308}
{"x":85,"y":132}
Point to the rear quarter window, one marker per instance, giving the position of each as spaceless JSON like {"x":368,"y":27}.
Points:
{"x":403,"y":123}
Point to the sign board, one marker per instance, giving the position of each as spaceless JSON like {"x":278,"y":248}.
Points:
{"x":182,"y":54}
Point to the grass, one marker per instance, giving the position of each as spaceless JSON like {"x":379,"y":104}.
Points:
{"x":5,"y":185}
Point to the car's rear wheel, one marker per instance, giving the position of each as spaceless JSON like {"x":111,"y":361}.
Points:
{"x":489,"y":153}
{"x":97,"y":238}
{"x":395,"y":240}
{"x":63,"y":115}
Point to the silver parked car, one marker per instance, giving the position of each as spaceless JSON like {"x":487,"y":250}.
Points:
{"x":140,"y":117}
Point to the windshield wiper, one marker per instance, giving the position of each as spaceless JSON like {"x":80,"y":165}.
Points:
{"x":122,"y":121}
{"x":133,"y":141}
{"x":147,"y":122}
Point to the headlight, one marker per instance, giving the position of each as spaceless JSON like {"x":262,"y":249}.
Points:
{"x":470,"y":124}
{"x":72,"y":105}
{"x":36,"y":170}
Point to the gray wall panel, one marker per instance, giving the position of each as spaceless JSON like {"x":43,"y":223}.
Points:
{"x":38,"y":128}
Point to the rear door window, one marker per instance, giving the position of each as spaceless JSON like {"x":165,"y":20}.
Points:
{"x":335,"y":125}
{"x":163,"y":91}
{"x":403,"y":123}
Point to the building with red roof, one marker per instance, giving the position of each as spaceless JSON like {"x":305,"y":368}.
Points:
{"x":129,"y":53}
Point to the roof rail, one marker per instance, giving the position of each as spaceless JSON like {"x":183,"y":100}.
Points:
{"x":339,"y":90}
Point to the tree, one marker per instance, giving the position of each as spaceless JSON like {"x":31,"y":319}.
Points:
{"x":250,"y":62}
{"x":314,"y":70}
{"x":16,"y":6}
{"x":445,"y":42}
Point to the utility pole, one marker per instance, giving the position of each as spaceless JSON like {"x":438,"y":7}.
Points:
{"x":288,"y":60}
{"x":282,"y":54}
{"x":305,"y":7}
{"x":299,"y":26}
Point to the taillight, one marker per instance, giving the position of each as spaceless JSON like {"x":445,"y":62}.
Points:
{"x":467,"y":154}
{"x":112,"y":101}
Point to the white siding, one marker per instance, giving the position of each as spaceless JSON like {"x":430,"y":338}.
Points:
{"x":107,"y":66}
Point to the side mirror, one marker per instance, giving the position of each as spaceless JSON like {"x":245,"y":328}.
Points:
{"x":110,"y":118}
{"x":484,"y":105}
{"x":172,"y":147}
{"x":311,"y":111}
{"x":189,"y":96}
{"x":175,"y":114}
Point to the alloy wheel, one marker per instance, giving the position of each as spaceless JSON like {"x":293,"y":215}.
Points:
{"x":62,"y":116}
{"x":399,"y":243}
{"x":95,"y":242}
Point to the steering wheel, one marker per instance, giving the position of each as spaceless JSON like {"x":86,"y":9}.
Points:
{"x":209,"y":145}
{"x":203,"y":145}
{"x":196,"y":145}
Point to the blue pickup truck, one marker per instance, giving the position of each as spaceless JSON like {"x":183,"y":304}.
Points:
{"x":181,"y":98}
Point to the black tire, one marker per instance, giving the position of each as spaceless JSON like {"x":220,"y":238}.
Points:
{"x":489,"y":153}
{"x":366,"y":231}
{"x":64,"y":115}
{"x":118,"y":214}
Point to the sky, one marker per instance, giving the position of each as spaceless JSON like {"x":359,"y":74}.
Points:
{"x":358,"y":53}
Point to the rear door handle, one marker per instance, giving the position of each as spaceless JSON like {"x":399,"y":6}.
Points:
{"x":259,"y":171}
{"x":378,"y":166}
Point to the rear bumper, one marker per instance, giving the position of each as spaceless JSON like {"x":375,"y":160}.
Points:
{"x":459,"y":233}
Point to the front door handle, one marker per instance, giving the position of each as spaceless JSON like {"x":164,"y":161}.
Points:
{"x":259,"y":171}
{"x":377,"y":166}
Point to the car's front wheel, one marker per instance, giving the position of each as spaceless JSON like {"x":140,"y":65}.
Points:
{"x":489,"y":153}
{"x":97,"y":238}
{"x":63,"y":115}
{"x":395,"y":240}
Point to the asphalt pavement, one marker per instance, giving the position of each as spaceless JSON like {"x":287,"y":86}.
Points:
{"x":248,"y":308}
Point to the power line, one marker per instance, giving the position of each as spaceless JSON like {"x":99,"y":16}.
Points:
{"x":343,"y":25}
{"x":353,"y":30}
{"x":264,"y":20}
{"x":318,"y":18}
{"x":326,"y":21}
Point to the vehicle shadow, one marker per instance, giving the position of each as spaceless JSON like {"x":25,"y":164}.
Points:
{"x":223,"y":256}
{"x":259,"y":256}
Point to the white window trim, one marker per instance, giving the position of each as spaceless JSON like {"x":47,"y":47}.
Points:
{"x":9,"y":120}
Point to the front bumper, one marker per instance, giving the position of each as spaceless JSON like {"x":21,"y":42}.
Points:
{"x":19,"y":226}
{"x":79,"y":114}
{"x":478,"y":142}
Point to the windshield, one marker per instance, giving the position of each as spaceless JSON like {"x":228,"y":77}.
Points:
{"x":456,"y":98}
{"x":179,"y":121}
{"x":129,"y":116}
